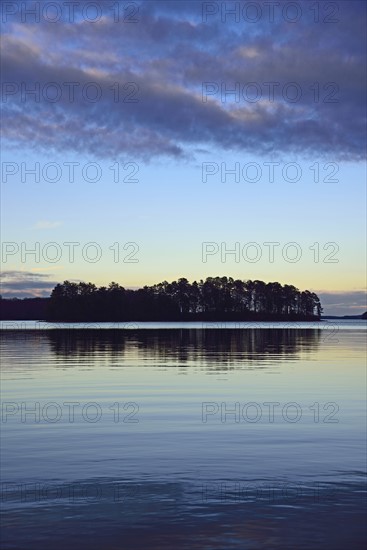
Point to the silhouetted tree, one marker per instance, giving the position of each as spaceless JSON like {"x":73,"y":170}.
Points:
{"x":216,"y":298}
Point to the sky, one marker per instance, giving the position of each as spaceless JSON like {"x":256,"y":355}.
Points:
{"x":151,"y":140}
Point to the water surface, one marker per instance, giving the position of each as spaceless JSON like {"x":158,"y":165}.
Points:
{"x":189,"y":437}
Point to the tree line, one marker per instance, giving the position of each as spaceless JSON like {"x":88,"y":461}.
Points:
{"x":216,"y":298}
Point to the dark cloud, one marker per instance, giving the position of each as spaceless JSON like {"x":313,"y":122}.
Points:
{"x":25,"y":284}
{"x":344,"y":303}
{"x":169,"y":53}
{"x":12,"y":274}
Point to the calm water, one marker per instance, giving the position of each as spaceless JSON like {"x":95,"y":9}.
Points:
{"x":187,"y":438}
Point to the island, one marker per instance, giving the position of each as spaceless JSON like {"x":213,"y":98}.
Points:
{"x":212,"y":299}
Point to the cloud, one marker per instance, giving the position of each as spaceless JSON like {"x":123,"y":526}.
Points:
{"x":343,"y":303}
{"x":25,"y":284}
{"x":46,"y":225}
{"x":167,"y":57}
{"x":14,"y":274}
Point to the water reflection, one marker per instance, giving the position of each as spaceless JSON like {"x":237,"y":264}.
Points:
{"x":185,"y":347}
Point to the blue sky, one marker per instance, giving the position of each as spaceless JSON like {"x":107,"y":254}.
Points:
{"x":177,"y":61}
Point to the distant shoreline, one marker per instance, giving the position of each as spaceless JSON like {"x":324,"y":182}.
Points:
{"x":215,"y":300}
{"x":363,"y":316}
{"x":192,"y":320}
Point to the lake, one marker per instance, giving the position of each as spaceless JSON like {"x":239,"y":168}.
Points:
{"x":183,"y":436}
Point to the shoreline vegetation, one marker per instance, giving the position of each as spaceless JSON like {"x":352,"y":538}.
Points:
{"x":215,"y":299}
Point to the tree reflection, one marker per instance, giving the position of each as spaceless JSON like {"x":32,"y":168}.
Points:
{"x":186,"y":347}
